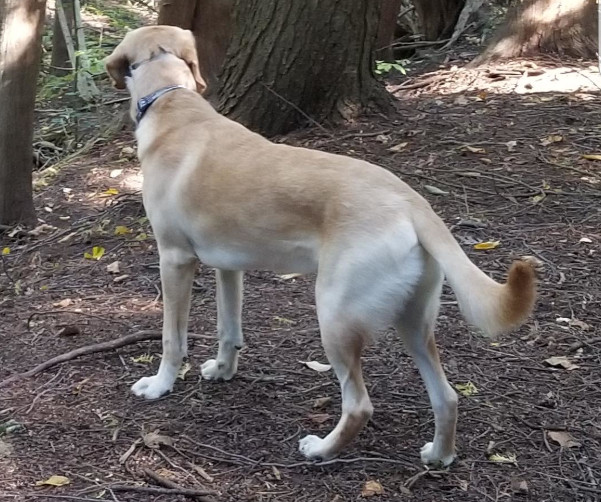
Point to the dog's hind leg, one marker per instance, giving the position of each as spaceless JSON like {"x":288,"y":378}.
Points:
{"x":343,"y":341}
{"x":416,"y":326}
{"x":229,"y":326}
{"x":177,"y":275}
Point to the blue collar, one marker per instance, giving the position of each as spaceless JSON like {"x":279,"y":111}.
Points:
{"x":146,"y":102}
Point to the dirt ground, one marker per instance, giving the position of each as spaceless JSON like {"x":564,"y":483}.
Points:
{"x":498,"y":152}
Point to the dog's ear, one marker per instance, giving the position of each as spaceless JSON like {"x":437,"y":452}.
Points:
{"x":190,"y":56}
{"x":117,"y":65}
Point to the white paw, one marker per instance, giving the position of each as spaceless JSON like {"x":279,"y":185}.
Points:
{"x":312,"y":447}
{"x":151,"y":387}
{"x":211,"y":370}
{"x":432,"y":457}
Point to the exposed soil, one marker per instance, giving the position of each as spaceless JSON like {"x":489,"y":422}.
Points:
{"x":507,"y":166}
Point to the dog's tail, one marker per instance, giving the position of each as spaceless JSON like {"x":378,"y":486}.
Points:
{"x":492,"y":307}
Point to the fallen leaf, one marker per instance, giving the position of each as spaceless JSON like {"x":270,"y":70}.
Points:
{"x":97,"y":253}
{"x":585,"y":240}
{"x":320,"y":402}
{"x":202,"y":473}
{"x":553,"y":138}
{"x":371,"y":488}
{"x":54,"y":481}
{"x":473,"y":149}
{"x":592,"y":156}
{"x":287,"y":277}
{"x":113,"y":268}
{"x":276,"y":473}
{"x":10,"y":426}
{"x":317,"y":366}
{"x":122,"y":230}
{"x":63,"y":303}
{"x":142,"y":358}
{"x":109,"y":192}
{"x":487,"y":245}
{"x":466,"y":389}
{"x":128,"y":151}
{"x":537,"y":198}
{"x":382,"y":138}
{"x":155,"y":440}
{"x":564,"y":439}
{"x":319,"y":418}
{"x":181,"y":374}
{"x":6,"y":449}
{"x":561,"y":362}
{"x":435,"y":190}
{"x":40,"y":229}
{"x":141,"y":236}
{"x":482,"y":95}
{"x":511,"y":145}
{"x":461,"y":100}
{"x":509,"y":458}
{"x":115,"y":173}
{"x":398,"y":148}
{"x":519,"y":486}
{"x":5,"y":251}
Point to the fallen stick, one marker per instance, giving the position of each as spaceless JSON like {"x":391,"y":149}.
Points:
{"x":93,"y":349}
{"x":199,"y":494}
{"x":167,"y":483}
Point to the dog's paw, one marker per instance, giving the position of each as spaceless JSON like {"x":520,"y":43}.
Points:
{"x":313,"y":447}
{"x":434,"y":458}
{"x":151,"y":387}
{"x":212,"y":370}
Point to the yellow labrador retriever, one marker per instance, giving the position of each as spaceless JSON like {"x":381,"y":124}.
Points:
{"x":215,"y":191}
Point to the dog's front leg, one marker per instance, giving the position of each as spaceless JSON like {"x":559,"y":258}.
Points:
{"x":229,"y":326}
{"x":177,"y":275}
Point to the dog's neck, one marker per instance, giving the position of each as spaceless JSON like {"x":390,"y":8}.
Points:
{"x":156,"y":74}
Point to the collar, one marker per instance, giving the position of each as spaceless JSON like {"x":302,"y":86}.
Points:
{"x":146,"y":102}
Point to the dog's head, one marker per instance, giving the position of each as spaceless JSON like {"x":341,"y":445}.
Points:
{"x":144,"y":43}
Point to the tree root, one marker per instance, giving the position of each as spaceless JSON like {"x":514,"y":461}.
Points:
{"x":93,"y":349}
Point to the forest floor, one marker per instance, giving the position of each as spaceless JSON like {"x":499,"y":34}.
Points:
{"x":498,"y":152}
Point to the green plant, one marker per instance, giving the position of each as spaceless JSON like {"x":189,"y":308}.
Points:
{"x":384,"y":67}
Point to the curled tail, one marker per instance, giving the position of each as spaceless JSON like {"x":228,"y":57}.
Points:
{"x":492,"y":307}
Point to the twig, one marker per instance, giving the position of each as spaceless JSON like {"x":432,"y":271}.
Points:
{"x":93,"y":349}
{"x":189,"y":492}
{"x":51,"y":312}
{"x":167,"y":483}
{"x":583,"y":343}
{"x":309,"y":118}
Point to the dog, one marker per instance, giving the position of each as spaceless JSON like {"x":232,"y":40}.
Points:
{"x":216,"y":192}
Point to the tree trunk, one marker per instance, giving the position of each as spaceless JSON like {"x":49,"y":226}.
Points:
{"x":289,"y":62}
{"x":567,"y":27}
{"x":60,"y":63}
{"x":211,"y":22}
{"x":389,"y":10}
{"x":438,"y":17}
{"x":21,"y":24}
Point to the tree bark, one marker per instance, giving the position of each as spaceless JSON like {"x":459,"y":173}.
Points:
{"x":60,"y":62}
{"x":289,"y":62}
{"x":21,"y":25}
{"x":438,"y":17}
{"x":211,"y":22}
{"x":567,"y":27}
{"x":389,"y":10}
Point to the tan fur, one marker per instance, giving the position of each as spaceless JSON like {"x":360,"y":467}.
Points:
{"x":216,"y":191}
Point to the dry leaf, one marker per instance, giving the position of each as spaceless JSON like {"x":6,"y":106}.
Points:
{"x":511,"y":145}
{"x":398,"y":148}
{"x":466,"y":389}
{"x":509,"y":458}
{"x":181,"y":374}
{"x":154,"y":440}
{"x":63,"y":303}
{"x":320,"y":402}
{"x":585,"y":240}
{"x":276,"y":473}
{"x":487,"y":245}
{"x":202,"y":473}
{"x":142,"y":358}
{"x":592,"y":156}
{"x":320,"y":418}
{"x":122,"y":230}
{"x":54,"y":481}
{"x":113,"y":268}
{"x":561,"y":362}
{"x":115,"y":173}
{"x":461,"y":100}
{"x":5,"y":251}
{"x":435,"y":190}
{"x":371,"y":488}
{"x":317,"y":366}
{"x":553,"y":138}
{"x":564,"y":439}
{"x":109,"y":192}
{"x":40,"y":229}
{"x":519,"y":486}
{"x":121,"y":278}
{"x":128,"y":151}
{"x":473,"y":149}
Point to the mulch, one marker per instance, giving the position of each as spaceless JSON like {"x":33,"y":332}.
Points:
{"x":496,"y":165}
